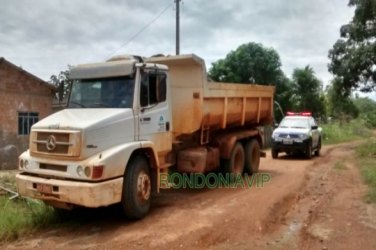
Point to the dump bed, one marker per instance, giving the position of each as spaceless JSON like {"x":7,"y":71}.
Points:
{"x":197,"y":102}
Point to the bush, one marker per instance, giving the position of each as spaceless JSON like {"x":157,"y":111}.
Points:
{"x":20,"y":216}
{"x":337,"y":132}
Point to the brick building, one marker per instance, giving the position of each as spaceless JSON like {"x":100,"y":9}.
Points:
{"x":24,"y":99}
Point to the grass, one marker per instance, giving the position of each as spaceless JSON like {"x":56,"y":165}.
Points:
{"x":21,"y":216}
{"x":333,"y":133}
{"x":340,"y":165}
{"x":8,"y":179}
{"x":366,"y":156}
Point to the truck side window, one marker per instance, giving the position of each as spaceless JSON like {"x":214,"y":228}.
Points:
{"x":153,"y":88}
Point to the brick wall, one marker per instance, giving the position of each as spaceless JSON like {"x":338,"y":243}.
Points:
{"x":19,"y":92}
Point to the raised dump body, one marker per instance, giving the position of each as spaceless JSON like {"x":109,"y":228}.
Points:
{"x":200,"y":103}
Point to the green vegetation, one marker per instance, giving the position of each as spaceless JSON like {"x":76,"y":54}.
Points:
{"x":352,"y":56}
{"x":9,"y":179}
{"x":337,"y":132}
{"x":367,"y":110}
{"x":366,"y":155}
{"x":307,"y":92}
{"x":20,"y":216}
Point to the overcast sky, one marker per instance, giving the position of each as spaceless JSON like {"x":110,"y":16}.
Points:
{"x":44,"y":36}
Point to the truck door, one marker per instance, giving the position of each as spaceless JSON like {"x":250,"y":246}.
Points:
{"x":155,"y":115}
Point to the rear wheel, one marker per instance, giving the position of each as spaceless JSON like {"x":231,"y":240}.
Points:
{"x":252,"y":156}
{"x":274,"y":153}
{"x":235,"y":165}
{"x":136,"y":195}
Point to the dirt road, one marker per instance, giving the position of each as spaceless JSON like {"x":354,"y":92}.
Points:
{"x":308,"y":204}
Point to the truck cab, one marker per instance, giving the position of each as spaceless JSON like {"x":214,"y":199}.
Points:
{"x":114,"y":109}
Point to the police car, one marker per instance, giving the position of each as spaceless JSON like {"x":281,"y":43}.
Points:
{"x":297,"y":132}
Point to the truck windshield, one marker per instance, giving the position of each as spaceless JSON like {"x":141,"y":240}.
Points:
{"x":102,"y":93}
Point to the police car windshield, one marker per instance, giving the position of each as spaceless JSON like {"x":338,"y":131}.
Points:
{"x":294,"y":123}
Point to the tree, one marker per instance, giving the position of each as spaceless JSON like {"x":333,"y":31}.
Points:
{"x":308,"y":93}
{"x":62,"y":83}
{"x":367,"y":110}
{"x":340,"y":105}
{"x":353,"y":56}
{"x":253,"y":63}
{"x":249,"y":63}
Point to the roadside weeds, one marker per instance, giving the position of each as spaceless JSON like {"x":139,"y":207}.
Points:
{"x":19,"y":216}
{"x":366,"y":158}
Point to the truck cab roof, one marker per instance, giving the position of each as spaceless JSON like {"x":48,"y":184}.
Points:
{"x":117,"y":66}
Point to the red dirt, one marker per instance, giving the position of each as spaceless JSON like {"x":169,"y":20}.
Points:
{"x":308,"y":204}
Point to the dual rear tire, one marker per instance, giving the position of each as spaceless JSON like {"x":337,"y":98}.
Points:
{"x":243,"y":158}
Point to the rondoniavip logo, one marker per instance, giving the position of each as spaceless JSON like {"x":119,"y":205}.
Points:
{"x":213,"y":180}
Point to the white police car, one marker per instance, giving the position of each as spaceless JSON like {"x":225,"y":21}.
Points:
{"x":297,"y":132}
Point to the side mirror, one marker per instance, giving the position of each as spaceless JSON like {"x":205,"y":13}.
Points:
{"x":315,"y":127}
{"x":276,"y":125}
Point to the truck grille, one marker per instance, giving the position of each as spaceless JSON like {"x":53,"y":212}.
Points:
{"x":63,"y":143}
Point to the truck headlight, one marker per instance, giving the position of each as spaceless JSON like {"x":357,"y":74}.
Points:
{"x":80,"y":171}
{"x":26,"y":164}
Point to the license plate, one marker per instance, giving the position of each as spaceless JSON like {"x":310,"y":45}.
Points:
{"x":287,"y":141}
{"x":44,"y":188}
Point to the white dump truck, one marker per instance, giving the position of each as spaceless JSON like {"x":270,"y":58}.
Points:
{"x":129,"y":119}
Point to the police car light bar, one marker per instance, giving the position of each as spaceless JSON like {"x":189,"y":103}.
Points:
{"x":305,"y":113}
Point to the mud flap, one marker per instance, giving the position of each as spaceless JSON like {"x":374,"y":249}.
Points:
{"x":262,"y":154}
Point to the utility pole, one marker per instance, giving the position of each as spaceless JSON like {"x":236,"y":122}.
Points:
{"x":177,"y":26}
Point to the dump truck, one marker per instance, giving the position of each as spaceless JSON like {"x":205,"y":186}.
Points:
{"x":130,"y":119}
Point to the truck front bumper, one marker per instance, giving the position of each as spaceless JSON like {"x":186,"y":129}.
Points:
{"x":67,"y":193}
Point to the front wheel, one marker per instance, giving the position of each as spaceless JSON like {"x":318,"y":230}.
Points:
{"x":136,"y":197}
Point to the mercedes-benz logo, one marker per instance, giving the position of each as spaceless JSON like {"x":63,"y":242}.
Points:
{"x":51,"y":143}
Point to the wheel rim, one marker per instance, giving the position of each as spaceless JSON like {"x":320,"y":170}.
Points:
{"x":143,"y":186}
